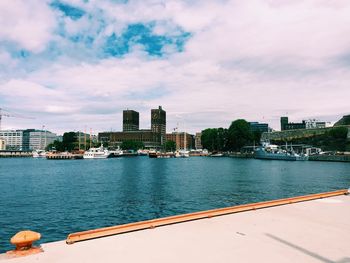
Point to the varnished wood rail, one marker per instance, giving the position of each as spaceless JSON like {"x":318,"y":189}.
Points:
{"x":119,"y":229}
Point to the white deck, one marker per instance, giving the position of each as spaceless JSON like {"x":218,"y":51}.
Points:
{"x":313,"y":231}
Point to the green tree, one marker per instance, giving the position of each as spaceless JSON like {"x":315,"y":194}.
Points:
{"x":132,"y":145}
{"x":56,"y":145}
{"x":170,"y":146}
{"x":209,"y":139}
{"x":239,"y":135}
{"x":215,"y":139}
{"x":70,"y":141}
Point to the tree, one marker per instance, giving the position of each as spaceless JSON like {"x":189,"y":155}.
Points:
{"x":209,"y":139}
{"x":170,"y":146}
{"x":69,"y":141}
{"x":215,"y":139}
{"x":56,"y":145}
{"x":239,"y":134}
{"x":132,"y":145}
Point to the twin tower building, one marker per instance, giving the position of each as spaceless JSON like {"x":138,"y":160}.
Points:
{"x":153,"y":138}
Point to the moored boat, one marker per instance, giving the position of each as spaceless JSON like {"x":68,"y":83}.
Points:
{"x":39,"y":154}
{"x":97,"y":153}
{"x":273,"y":152}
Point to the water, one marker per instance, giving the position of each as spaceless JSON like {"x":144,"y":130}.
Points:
{"x":58,"y":197}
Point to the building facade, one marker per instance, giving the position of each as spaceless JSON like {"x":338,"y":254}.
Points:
{"x":152,"y":139}
{"x":286,"y":125}
{"x":259,"y":127}
{"x":13,"y":139}
{"x":314,"y":124}
{"x":27,"y":140}
{"x":131,"y":120}
{"x":158,"y":123}
{"x":284,"y":122}
{"x":198,"y":141}
{"x":2,"y":145}
{"x":39,"y":139}
{"x":183,"y":140}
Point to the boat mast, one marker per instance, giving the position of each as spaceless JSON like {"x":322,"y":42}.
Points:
{"x":90,"y":136}
{"x":45,"y":140}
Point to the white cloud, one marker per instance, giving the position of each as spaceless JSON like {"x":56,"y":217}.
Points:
{"x":255,"y":60}
{"x":28,"y":23}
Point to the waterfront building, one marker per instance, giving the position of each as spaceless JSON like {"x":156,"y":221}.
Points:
{"x":284,"y":122}
{"x":27,"y":140}
{"x":259,"y":127}
{"x":153,"y":138}
{"x":131,"y":120}
{"x":305,"y":124}
{"x":198,"y":141}
{"x":2,"y":145}
{"x":158,"y":123}
{"x":39,"y":139}
{"x":314,"y":124}
{"x":285,"y":125}
{"x":13,"y":139}
{"x":183,"y":140}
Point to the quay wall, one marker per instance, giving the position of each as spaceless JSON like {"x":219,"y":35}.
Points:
{"x":330,"y":158}
{"x":8,"y":154}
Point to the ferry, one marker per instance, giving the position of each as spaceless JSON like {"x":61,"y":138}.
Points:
{"x":97,"y":153}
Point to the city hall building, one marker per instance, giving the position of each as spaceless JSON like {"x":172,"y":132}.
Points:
{"x":152,"y":139}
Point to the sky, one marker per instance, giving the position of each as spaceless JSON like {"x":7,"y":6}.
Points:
{"x":76,"y":64}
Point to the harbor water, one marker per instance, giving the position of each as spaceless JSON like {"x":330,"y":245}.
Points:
{"x":58,"y":197}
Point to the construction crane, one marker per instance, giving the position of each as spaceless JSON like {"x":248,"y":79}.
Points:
{"x":8,"y":114}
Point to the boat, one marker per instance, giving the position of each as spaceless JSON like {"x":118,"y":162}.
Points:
{"x":182,"y":154}
{"x":115,"y":153}
{"x":153,"y":154}
{"x":216,"y":154}
{"x":97,"y":153}
{"x":142,"y":152}
{"x":274,"y":152}
{"x":39,"y":154}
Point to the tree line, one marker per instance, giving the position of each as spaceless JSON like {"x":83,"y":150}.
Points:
{"x":238,"y":135}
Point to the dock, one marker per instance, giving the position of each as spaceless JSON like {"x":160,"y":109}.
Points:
{"x":64,"y":156}
{"x":313,"y":228}
{"x":10,"y":154}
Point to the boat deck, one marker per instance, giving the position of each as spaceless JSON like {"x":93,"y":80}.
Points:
{"x":311,"y":231}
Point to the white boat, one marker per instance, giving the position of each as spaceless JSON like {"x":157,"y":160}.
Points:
{"x":216,"y":155}
{"x":182,"y":154}
{"x":97,"y":153}
{"x":39,"y":154}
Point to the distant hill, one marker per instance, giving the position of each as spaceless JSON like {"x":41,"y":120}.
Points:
{"x":343,"y":121}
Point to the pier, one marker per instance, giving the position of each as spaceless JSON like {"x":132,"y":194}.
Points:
{"x":64,"y":156}
{"x":313,"y":228}
{"x":8,"y":154}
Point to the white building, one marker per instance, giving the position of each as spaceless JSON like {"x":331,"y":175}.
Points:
{"x":314,"y":124}
{"x":27,"y":140}
{"x":13,"y":139}
{"x":2,"y":145}
{"x":39,"y":139}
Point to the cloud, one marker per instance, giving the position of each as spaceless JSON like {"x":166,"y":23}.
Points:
{"x":206,"y":62}
{"x":26,"y":23}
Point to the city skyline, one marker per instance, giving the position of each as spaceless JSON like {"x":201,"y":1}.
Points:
{"x":80,"y":63}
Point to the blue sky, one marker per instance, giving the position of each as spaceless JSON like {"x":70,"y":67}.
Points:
{"x":72,"y":64}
